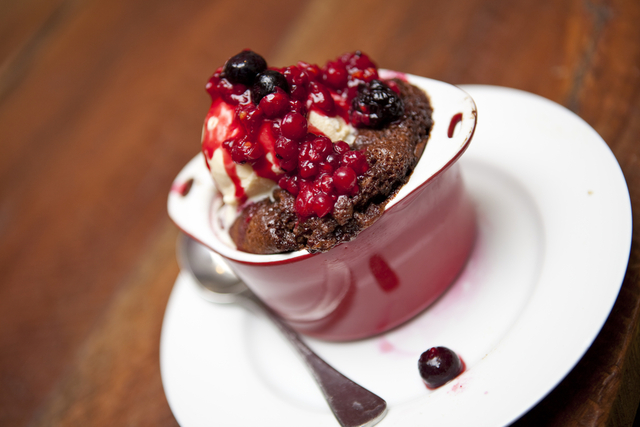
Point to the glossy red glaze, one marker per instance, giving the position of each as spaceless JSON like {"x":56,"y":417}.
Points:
{"x":388,"y":274}
{"x":452,"y":124}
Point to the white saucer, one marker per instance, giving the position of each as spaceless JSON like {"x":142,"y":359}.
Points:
{"x":555,"y":235}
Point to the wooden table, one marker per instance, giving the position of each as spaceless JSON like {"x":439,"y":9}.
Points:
{"x":102,"y":102}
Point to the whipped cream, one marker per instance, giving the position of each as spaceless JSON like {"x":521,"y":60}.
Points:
{"x":334,"y":128}
{"x":255,"y":187}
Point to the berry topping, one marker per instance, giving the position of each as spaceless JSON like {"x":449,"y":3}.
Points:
{"x":244,"y":67}
{"x":375,"y":105}
{"x":266,"y":82}
{"x":439,"y":365}
{"x":260,"y":117}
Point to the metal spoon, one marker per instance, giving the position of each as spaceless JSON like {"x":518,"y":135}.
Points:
{"x":352,"y":405}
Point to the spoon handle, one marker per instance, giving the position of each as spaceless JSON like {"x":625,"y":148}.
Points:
{"x":352,"y":404}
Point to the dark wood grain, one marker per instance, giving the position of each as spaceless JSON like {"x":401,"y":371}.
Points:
{"x":101,"y":104}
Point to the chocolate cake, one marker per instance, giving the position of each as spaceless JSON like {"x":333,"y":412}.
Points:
{"x":273,"y":225}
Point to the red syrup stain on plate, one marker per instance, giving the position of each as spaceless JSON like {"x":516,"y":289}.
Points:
{"x":386,"y":347}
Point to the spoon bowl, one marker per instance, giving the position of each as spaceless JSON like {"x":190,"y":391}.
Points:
{"x":216,"y":281}
{"x":352,"y":405}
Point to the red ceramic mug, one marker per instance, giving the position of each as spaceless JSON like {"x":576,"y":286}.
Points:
{"x":393,"y":270}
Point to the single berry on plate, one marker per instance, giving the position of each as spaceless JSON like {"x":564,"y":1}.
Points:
{"x":375,"y":105}
{"x":244,"y":67}
{"x":439,"y":365}
{"x":266,"y":82}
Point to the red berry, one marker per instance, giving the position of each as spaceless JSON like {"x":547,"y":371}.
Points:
{"x":237,"y":155}
{"x":286,"y":148}
{"x":354,"y":190}
{"x":297,"y":107}
{"x":251,"y":117}
{"x":275,"y":104}
{"x":288,"y":165}
{"x":321,"y":204}
{"x":304,"y":151}
{"x":335,"y":75}
{"x":308,"y":169}
{"x":363,"y":75}
{"x":233,"y":94}
{"x":212,"y":85}
{"x":303,"y":202}
{"x":341,"y":147}
{"x":295,"y":76}
{"x":320,"y":97}
{"x":312,"y":71}
{"x":294,"y":126}
{"x":345,"y":180}
{"x":298,"y":81}
{"x":357,"y":61}
{"x":356,"y":160}
{"x":251,"y":150}
{"x":333,"y":161}
{"x":325,"y":184}
{"x":325,"y":167}
{"x":290,"y":184}
{"x":321,"y":147}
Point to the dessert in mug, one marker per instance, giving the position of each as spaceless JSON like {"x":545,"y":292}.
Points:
{"x":306,"y":157}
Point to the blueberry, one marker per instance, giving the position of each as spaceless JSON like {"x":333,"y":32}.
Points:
{"x":243,"y":67}
{"x":375,"y":105}
{"x":266,"y":83}
{"x":438,"y":365}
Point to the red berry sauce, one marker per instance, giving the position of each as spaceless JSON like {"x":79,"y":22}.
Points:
{"x":273,"y":134}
